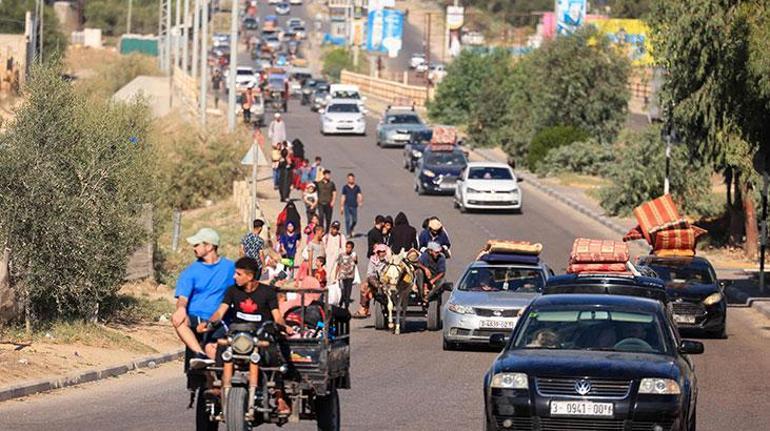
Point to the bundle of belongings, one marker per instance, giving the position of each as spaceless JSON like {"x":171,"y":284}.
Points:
{"x":500,"y":251}
{"x":443,"y":135}
{"x":599,"y":256}
{"x":305,"y":310}
{"x":664,"y":229}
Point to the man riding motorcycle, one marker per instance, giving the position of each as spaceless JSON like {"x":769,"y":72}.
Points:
{"x":248,"y":301}
{"x":434,"y":231}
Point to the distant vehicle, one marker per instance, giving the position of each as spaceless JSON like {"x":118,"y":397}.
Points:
{"x":418,"y":141}
{"x":250,"y":23}
{"x":489,"y":298}
{"x":274,"y":1}
{"x":320,"y":98}
{"x":472,"y":38}
{"x":437,"y":72}
{"x":347,"y":92}
{"x":396,"y":125}
{"x":342,"y":116}
{"x":438,"y":169}
{"x":696,"y":296}
{"x":416,"y":60}
{"x":283,"y":8}
{"x":272,"y":42}
{"x":592,"y":362}
{"x":220,"y":39}
{"x":295,"y":2}
{"x":300,"y":32}
{"x":295,"y":22}
{"x":244,"y":77}
{"x":488,"y":185}
{"x":297,"y":78}
{"x":607,"y":284}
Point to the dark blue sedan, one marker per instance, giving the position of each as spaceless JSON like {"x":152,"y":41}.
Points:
{"x":438,"y":169}
{"x":592,"y":362}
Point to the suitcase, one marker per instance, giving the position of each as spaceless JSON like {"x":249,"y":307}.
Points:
{"x":599,"y":251}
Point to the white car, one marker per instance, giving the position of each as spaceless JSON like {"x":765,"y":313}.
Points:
{"x":488,"y":185}
{"x":297,"y":2}
{"x":274,"y":1}
{"x":341,"y":116}
{"x":282,"y":8}
{"x":416,"y":60}
{"x":349,"y":93}
{"x":437,"y":72}
{"x":244,"y":77}
{"x":295,"y":22}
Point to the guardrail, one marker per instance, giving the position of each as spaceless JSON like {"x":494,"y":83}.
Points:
{"x":387,"y":90}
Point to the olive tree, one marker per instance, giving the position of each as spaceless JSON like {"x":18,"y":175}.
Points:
{"x":74,"y":175}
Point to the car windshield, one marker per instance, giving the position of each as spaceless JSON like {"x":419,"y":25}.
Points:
{"x":275,"y":83}
{"x":421,"y":136}
{"x":591,"y":329}
{"x":502,"y":279}
{"x":489,"y":173}
{"x":453,"y":159}
{"x":343,"y":107}
{"x":346,"y":95}
{"x":682,"y":274}
{"x":402,"y":119}
{"x":245,"y":72}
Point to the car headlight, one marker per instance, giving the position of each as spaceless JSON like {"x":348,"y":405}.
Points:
{"x":242,"y":343}
{"x":713,"y":298}
{"x":460,"y":309}
{"x":428,"y":173}
{"x":655,"y":386}
{"x":416,"y":154}
{"x":470,"y":190}
{"x":510,"y":381}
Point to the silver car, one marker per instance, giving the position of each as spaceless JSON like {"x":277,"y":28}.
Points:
{"x":489,"y":299}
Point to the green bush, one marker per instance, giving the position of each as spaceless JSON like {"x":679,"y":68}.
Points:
{"x":74,"y":176}
{"x":638,"y":175}
{"x":334,"y":61}
{"x":587,"y":157}
{"x":549,"y":139}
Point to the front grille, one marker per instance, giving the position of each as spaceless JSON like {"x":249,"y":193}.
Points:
{"x":647,"y":426}
{"x":565,"y":387}
{"x":581,"y":424}
{"x":488,"y":312}
{"x":489,"y":332}
{"x":689,"y":308}
{"x":491,"y":203}
{"x":519,"y":423}
{"x":459,"y":331}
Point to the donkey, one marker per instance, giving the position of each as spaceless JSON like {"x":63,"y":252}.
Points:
{"x":397,"y":280}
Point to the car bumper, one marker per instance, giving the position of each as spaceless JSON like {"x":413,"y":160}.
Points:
{"x":695,"y":316}
{"x":491,"y":201}
{"x":511,"y":409}
{"x":432,"y":185}
{"x":394,"y":141}
{"x":344,"y":128}
{"x":474,"y":329}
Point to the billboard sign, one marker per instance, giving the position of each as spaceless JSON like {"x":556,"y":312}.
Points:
{"x":384,"y":31}
{"x":455,"y":18}
{"x":630,"y":36}
{"x":570,"y":15}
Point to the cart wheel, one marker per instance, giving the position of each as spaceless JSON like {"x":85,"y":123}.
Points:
{"x":434,"y":314}
{"x":202,"y":422}
{"x":328,"y":411}
{"x":379,"y":315}
{"x":236,"y":409}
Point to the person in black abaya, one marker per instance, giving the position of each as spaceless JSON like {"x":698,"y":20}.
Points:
{"x":403,"y":235}
{"x":285,"y":175}
{"x":298,"y":149}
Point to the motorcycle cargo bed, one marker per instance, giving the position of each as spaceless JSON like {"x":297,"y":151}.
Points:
{"x":320,"y":364}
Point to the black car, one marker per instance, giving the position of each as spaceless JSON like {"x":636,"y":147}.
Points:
{"x":307,"y":90}
{"x":418,"y":140}
{"x":608,"y":283}
{"x":696,"y":295}
{"x":438,"y":169}
{"x":592,"y":362}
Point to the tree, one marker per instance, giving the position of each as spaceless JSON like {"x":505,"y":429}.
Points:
{"x":577,"y":80}
{"x":335,"y":61}
{"x":488,"y":116}
{"x":459,"y":92}
{"x":111,"y":15}
{"x":74,"y":176}
{"x":716,"y":86}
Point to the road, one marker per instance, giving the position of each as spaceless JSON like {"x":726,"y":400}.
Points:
{"x":407,"y":382}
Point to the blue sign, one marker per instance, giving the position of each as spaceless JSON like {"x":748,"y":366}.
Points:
{"x":384,"y":31}
{"x":570,"y":15}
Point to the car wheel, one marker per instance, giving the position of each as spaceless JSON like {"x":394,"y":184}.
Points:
{"x":379,"y":315}
{"x":694,"y":422}
{"x":462,"y":207}
{"x":419,"y":189}
{"x":379,"y":144}
{"x":434,"y":315}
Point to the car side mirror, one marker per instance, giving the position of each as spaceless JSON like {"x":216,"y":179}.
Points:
{"x":498,"y":340}
{"x":690,"y":347}
{"x":448,"y":286}
{"x":519,"y":179}
{"x":725,"y":283}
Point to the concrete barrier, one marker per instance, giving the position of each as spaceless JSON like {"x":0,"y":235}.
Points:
{"x":188,"y":89}
{"x":385,"y":89}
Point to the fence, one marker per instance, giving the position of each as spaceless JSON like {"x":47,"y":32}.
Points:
{"x":387,"y":90}
{"x":187,"y":88}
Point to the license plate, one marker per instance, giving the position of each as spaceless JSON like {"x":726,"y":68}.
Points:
{"x":498,"y":324}
{"x":581,"y":408}
{"x":399,"y":137}
{"x":682,"y":318}
{"x":447,"y":185}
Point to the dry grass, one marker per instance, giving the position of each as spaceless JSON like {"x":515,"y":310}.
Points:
{"x":102,"y":72}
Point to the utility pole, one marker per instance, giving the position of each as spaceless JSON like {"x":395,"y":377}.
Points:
{"x":233,"y":68}
{"x":42,"y":37}
{"x":196,"y":38}
{"x":204,"y":64}
{"x":427,"y":60}
{"x":185,"y":35}
{"x":167,"y":52}
{"x":128,"y":17}
{"x":178,"y":35}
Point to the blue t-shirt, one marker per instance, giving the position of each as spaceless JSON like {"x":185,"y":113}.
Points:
{"x":351,"y":195}
{"x":436,"y":266}
{"x":289,"y":243}
{"x":204,"y":286}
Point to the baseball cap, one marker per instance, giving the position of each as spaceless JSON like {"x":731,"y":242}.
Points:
{"x":336,"y":224}
{"x":207,"y":235}
{"x":434,"y":246}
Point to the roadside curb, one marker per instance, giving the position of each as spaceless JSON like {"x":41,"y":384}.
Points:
{"x":737,"y":295}
{"x":33,"y":387}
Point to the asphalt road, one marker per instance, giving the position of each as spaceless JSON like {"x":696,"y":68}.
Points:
{"x":407,"y":382}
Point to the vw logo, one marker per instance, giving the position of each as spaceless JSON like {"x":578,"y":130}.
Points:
{"x":582,"y":387}
{"x":497,"y":313}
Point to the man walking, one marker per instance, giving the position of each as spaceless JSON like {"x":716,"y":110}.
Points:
{"x":352,"y":198}
{"x":277,"y":130}
{"x":327,"y":195}
{"x":253,"y":246}
{"x":200,"y":288}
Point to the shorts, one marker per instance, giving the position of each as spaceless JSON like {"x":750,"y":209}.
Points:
{"x":209,"y":337}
